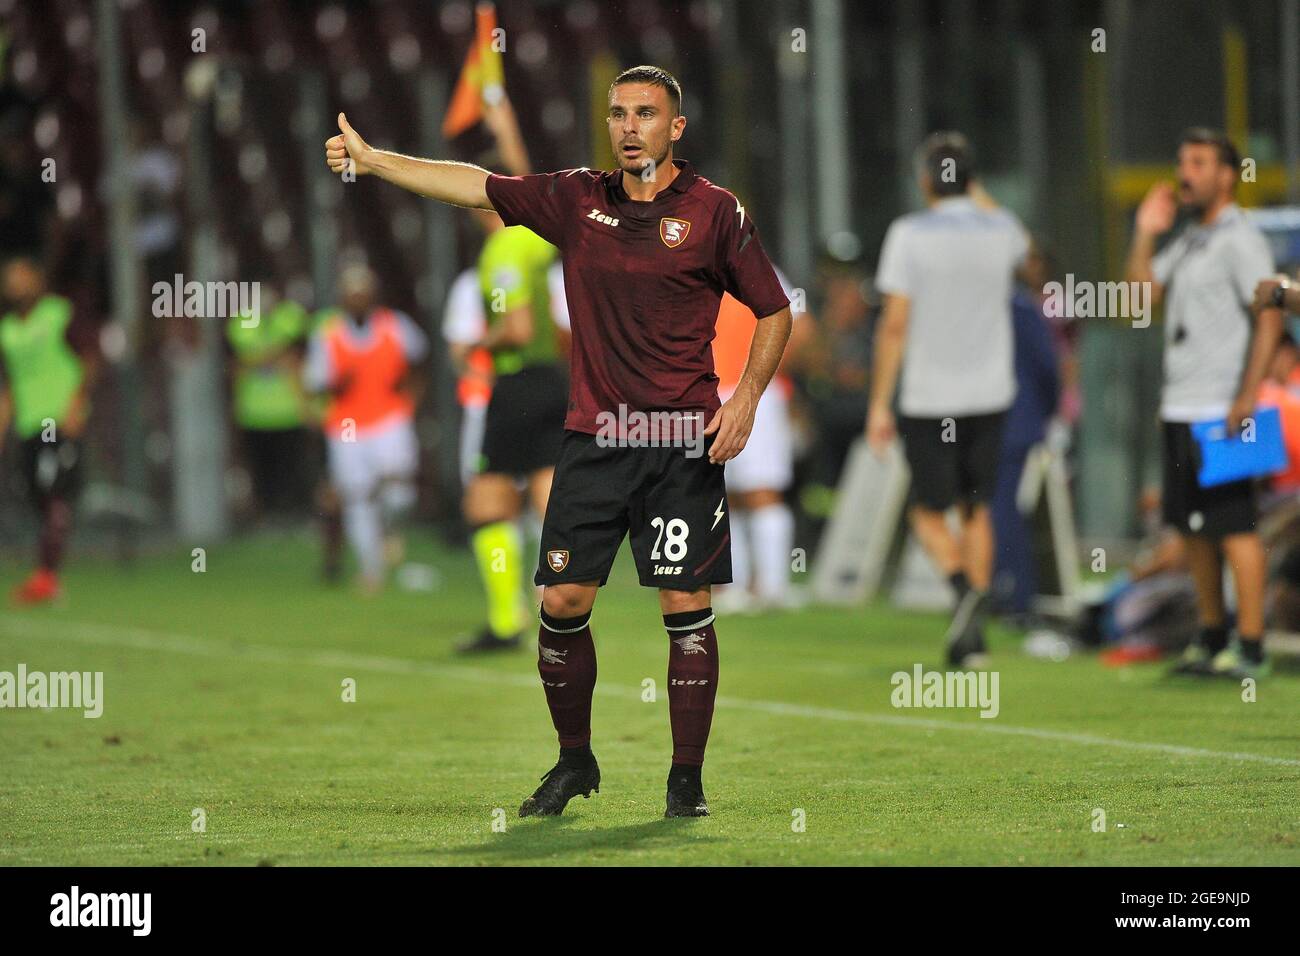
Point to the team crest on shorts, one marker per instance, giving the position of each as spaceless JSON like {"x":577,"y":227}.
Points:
{"x":673,"y":231}
{"x":558,"y":560}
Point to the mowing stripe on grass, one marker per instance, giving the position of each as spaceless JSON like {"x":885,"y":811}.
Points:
{"x":141,"y":639}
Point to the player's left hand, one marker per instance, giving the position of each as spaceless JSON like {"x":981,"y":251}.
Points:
{"x":731,"y":427}
{"x":1242,"y":408}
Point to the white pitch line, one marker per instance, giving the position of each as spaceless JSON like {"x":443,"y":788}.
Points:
{"x":137,"y":638}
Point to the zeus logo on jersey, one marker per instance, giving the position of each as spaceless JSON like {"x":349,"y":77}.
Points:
{"x":599,"y":216}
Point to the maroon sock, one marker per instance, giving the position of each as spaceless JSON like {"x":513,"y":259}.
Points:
{"x":692,"y":682}
{"x":566,"y":659}
{"x":56,"y":522}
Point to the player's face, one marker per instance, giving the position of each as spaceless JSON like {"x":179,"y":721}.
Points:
{"x":22,"y":283}
{"x":358,"y":301}
{"x":1202,"y":179}
{"x":642,"y":127}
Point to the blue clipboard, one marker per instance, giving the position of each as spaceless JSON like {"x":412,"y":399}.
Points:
{"x":1228,"y":457}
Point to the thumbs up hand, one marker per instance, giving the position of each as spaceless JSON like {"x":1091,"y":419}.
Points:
{"x":347,"y":149}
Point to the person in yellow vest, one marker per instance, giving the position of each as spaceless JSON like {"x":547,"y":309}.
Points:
{"x":269,"y":406}
{"x":44,"y":392}
{"x":524,"y":424}
{"x":363,"y":356}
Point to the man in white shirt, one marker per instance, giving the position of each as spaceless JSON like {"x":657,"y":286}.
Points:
{"x":947,"y":274}
{"x":1217,"y":351}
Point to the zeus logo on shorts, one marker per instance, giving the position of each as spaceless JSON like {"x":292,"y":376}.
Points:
{"x":558,"y":560}
{"x":668,"y":569}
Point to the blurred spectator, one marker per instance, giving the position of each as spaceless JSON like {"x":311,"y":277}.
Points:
{"x":1281,"y":390}
{"x":832,"y":366}
{"x":48,"y":375}
{"x":762,"y":525}
{"x":1148,"y":610}
{"x":363,"y":356}
{"x":1038,"y":270}
{"x":1038,"y":386}
{"x":269,"y":408}
{"x":156,"y":172}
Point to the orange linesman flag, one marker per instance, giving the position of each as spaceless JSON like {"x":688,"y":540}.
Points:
{"x":482,"y":78}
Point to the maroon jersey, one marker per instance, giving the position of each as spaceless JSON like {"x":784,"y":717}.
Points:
{"x":643,"y":282}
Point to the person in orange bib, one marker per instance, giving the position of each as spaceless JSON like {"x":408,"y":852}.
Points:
{"x":762,"y":526}
{"x":363,"y":356}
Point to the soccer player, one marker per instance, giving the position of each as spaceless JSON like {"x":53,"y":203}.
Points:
{"x":947,"y":275}
{"x":363,"y":357}
{"x":648,"y":250}
{"x":45,"y":392}
{"x":1217,"y":352}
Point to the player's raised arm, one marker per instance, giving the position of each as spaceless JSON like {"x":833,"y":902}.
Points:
{"x":459,"y":184}
{"x":1155,"y":217}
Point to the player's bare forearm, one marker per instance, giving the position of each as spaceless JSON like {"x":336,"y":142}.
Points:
{"x":500,"y":118}
{"x":735,"y":419}
{"x":1268,"y":332}
{"x":765,"y":352}
{"x":1137,"y":267}
{"x":1155,"y":216}
{"x":890,"y":340}
{"x":458,"y":184}
{"x":891,"y":337}
{"x":514,"y":330}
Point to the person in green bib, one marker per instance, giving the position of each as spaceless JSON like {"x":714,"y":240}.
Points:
{"x":269,"y":406}
{"x":44,"y":394}
{"x":525,"y":420}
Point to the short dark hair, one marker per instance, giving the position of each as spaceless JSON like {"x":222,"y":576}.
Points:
{"x":948,"y":159}
{"x":1205,"y":136}
{"x":654,"y":76}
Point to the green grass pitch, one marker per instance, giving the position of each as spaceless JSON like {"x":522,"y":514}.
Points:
{"x":223,"y":692}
